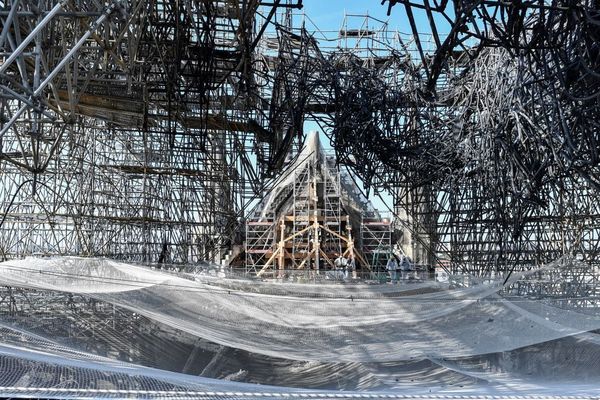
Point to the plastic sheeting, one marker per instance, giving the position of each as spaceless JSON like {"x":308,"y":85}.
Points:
{"x":358,"y":325}
{"x":346,"y":327}
{"x":32,"y":366}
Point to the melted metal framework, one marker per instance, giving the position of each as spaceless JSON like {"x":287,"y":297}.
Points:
{"x":143,"y":130}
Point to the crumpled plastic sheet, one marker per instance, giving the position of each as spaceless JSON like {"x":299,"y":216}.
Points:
{"x":319,"y":323}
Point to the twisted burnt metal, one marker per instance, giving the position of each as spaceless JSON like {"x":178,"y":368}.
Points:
{"x":164,"y":124}
{"x":498,"y":125}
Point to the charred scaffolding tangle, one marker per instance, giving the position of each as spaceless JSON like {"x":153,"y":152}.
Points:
{"x":147,"y":130}
{"x":171,"y":133}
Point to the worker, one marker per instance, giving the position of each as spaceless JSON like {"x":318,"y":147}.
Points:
{"x":405,"y":266}
{"x":350,"y":267}
{"x":340,"y":266}
{"x":392,"y":268}
{"x":339,"y":262}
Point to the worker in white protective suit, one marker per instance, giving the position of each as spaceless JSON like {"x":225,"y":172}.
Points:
{"x":405,"y":267}
{"x":392,"y":268}
{"x":350,"y":267}
{"x":340,"y":264}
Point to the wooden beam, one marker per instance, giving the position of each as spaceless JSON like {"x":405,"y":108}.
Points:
{"x":269,"y":261}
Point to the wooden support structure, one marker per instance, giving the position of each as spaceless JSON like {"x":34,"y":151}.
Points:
{"x":311,"y":222}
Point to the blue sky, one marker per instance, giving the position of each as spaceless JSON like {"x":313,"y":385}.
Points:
{"x":329,"y":14}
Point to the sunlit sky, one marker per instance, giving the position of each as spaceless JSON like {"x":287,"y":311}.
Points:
{"x":329,"y":14}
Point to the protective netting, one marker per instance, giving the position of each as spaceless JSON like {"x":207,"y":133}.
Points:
{"x":30,"y":365}
{"x":371,"y":332}
{"x":344,"y":326}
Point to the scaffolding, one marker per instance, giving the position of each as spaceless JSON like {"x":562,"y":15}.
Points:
{"x":376,"y":242}
{"x":308,"y":220}
{"x":147,"y":138}
{"x":146,"y":130}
